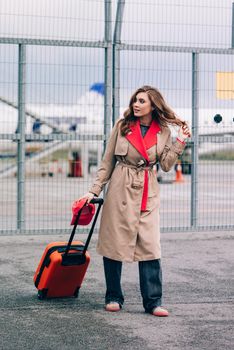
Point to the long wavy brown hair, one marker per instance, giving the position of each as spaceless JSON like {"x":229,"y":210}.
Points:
{"x":161,"y":113}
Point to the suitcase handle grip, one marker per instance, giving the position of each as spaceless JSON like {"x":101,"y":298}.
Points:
{"x":94,"y":201}
{"x":97,"y":201}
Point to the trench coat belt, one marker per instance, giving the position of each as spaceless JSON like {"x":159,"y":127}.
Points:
{"x":136,"y":167}
{"x":137,"y":185}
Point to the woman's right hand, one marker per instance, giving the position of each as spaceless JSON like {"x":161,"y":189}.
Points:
{"x":88,"y":196}
{"x":184,"y":132}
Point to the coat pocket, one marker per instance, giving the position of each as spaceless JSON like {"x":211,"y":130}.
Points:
{"x":121,"y":148}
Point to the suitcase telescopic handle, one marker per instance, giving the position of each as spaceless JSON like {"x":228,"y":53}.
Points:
{"x":98,"y":201}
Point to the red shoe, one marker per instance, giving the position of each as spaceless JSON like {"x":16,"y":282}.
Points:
{"x":160,"y":312}
{"x":112,"y":306}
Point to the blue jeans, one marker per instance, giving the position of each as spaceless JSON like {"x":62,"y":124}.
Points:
{"x":150,"y":274}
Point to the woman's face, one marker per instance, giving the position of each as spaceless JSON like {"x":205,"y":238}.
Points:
{"x":142,"y":105}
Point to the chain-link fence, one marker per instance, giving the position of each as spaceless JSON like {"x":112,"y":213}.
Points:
{"x":68,"y":69}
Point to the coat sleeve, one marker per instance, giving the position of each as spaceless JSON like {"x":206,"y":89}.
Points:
{"x":170,"y":152}
{"x":107,"y":165}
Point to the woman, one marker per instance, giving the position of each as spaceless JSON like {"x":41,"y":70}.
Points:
{"x":129,"y":228}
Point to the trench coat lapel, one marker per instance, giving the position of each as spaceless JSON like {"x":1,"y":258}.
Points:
{"x":136,"y":139}
{"x":143,"y":144}
{"x":150,"y":138}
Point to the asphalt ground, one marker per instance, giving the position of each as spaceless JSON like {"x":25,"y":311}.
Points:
{"x":198,"y":292}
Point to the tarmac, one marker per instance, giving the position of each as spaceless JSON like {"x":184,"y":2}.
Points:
{"x":198,"y":292}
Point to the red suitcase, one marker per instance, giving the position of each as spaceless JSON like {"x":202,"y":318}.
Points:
{"x":63,"y":265}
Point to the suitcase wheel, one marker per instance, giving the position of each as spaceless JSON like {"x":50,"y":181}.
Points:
{"x":76,"y":293}
{"x":42,"y":294}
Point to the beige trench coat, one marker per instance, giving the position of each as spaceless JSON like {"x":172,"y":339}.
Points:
{"x":126,"y":233}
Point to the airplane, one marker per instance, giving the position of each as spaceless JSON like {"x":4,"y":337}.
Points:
{"x":84,"y":117}
{"x":87,"y":117}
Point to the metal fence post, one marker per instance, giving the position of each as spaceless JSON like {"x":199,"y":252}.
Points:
{"x":116,"y":59}
{"x":195,"y":117}
{"x":233,"y":25}
{"x":21,"y":141}
{"x":108,"y":72}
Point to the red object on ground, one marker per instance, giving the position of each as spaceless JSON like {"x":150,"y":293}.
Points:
{"x":179,"y":176}
{"x":77,"y":171}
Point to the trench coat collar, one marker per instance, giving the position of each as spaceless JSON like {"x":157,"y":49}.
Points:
{"x":143,"y":144}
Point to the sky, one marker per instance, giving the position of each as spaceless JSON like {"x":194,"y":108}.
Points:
{"x":60,"y":74}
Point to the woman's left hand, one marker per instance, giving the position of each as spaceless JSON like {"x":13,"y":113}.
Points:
{"x":184,"y":132}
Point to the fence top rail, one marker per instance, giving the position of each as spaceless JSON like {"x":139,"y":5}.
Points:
{"x":55,"y":137}
{"x":182,"y":49}
{"x":119,"y":46}
{"x":52,"y":42}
